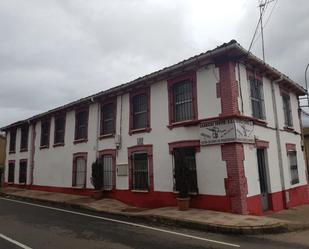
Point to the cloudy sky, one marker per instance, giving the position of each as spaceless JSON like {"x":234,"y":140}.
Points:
{"x":56,"y":51}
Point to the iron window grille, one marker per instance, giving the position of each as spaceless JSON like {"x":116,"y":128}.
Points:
{"x":79,"y":172}
{"x":12,"y":140}
{"x":45,"y":127}
{"x":59,"y":130}
{"x":107,"y":119}
{"x":257,"y":99}
{"x":185,"y":157}
{"x":293,"y":167}
{"x":108,"y":172}
{"x":81,"y":125}
{"x":288,"y":120}
{"x":140,"y":111}
{"x":22,"y":171}
{"x":11,"y":173}
{"x":140,"y":177}
{"x":183,"y":101}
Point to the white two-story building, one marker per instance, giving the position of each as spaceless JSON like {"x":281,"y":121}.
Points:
{"x":234,"y":118}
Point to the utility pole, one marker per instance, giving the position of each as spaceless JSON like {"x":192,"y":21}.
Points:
{"x":262,"y":6}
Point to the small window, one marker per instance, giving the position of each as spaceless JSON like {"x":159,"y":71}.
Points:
{"x":24,"y":138}
{"x":140,"y":111}
{"x":59,"y":130}
{"x":257,"y":99}
{"x":11,"y":172}
{"x":288,"y":120}
{"x":12,"y":141}
{"x":79,"y":171}
{"x":107,"y":119}
{"x":140,"y":178}
{"x":184,"y":163}
{"x":23,"y":171}
{"x":183,"y":102}
{"x":81,"y":125}
{"x":293,"y":167}
{"x":45,"y":126}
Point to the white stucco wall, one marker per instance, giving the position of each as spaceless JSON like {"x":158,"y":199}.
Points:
{"x":18,"y":155}
{"x":268,"y":133}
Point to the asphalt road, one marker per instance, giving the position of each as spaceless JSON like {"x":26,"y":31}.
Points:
{"x":29,"y":225}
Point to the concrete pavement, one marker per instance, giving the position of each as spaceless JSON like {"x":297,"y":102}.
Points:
{"x":193,"y":218}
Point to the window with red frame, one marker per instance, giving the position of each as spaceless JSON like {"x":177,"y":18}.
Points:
{"x":11,"y":173}
{"x":45,"y":127}
{"x":59,"y":130}
{"x":107,"y":119}
{"x":79,"y":170}
{"x":23,"y":171}
{"x":140,"y":111}
{"x":24,"y":138}
{"x":81,"y":124}
{"x":12,"y":140}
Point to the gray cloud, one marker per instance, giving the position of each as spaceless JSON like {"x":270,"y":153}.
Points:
{"x":53,"y":52}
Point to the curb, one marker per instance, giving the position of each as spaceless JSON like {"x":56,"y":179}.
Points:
{"x":160,"y":220}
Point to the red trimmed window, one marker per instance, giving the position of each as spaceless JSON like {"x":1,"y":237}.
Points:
{"x":286,"y":101}
{"x":140,"y":111}
{"x":59,"y":130}
{"x":140,"y":168}
{"x":108,"y":118}
{"x":45,"y":129}
{"x":257,"y":98}
{"x":108,"y":159}
{"x":292,"y":157}
{"x":11,"y":172}
{"x":24,"y":138}
{"x":23,"y":171}
{"x":81,"y":124}
{"x":12,"y":141}
{"x":79,"y":170}
{"x":182,"y":99}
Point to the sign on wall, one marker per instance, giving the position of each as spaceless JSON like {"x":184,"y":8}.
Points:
{"x":226,"y":131}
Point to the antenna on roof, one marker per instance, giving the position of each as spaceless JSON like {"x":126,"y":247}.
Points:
{"x":263,"y":5}
{"x":305,"y":97}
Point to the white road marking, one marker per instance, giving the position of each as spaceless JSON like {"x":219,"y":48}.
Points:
{"x":14,"y":241}
{"x":124,"y":222}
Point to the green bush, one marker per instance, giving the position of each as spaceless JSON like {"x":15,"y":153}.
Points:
{"x":97,"y":174}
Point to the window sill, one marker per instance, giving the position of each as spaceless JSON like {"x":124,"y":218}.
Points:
{"x":183,"y":123}
{"x":23,"y":150}
{"x":77,"y":188}
{"x":258,"y":121}
{"x":142,"y":130}
{"x":10,"y":183}
{"x":12,"y":152}
{"x":106,"y":136}
{"x":83,"y":140}
{"x":139,"y":191}
{"x":58,"y":144}
{"x":288,"y":128}
{"x":44,"y":147}
{"x":193,"y":193}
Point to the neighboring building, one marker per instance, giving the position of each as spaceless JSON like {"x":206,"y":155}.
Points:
{"x":232,"y":118}
{"x":2,"y":156}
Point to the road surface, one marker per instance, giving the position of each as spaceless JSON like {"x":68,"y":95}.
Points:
{"x":39,"y":226}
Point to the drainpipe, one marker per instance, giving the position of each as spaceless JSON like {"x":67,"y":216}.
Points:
{"x":278,"y":139}
{"x":98,"y":129}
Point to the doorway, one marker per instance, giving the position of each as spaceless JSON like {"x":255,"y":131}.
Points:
{"x":261,"y":157}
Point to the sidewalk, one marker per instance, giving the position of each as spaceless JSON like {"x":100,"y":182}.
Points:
{"x":287,"y":220}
